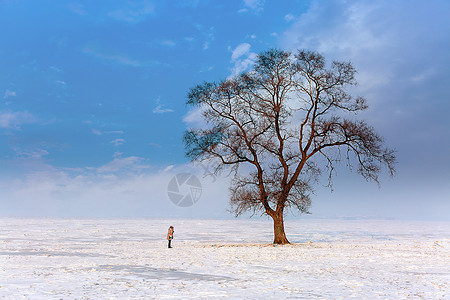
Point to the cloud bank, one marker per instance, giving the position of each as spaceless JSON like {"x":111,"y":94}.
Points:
{"x":123,"y":187}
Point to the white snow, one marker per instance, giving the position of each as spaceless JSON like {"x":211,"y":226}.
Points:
{"x":129,"y":259}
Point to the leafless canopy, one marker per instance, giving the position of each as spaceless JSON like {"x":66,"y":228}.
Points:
{"x":279,"y":118}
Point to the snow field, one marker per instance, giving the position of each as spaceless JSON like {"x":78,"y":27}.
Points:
{"x":129,"y":259}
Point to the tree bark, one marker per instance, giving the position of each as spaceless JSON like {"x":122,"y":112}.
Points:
{"x":278,"y":230}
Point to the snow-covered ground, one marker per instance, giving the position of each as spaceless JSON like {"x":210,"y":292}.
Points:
{"x":129,"y":259}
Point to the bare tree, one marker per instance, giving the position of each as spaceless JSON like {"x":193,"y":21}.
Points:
{"x":288,"y":119}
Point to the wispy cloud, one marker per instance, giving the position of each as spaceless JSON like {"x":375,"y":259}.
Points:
{"x":255,"y":6}
{"x":13,"y":119}
{"x":168,"y":168}
{"x":120,"y":164}
{"x":9,"y":93}
{"x":155,"y":145}
{"x":118,"y":142}
{"x":115,"y":131}
{"x":32,"y":154}
{"x":159,"y":109}
{"x":208,"y":34}
{"x":99,"y":133}
{"x":206,"y":69}
{"x":289,"y":17}
{"x":55,"y":69}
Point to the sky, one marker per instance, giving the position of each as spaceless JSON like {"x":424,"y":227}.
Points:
{"x":92,"y":100}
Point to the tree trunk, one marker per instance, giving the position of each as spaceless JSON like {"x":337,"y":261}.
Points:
{"x":278,"y":230}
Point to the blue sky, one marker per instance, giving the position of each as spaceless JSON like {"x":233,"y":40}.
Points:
{"x":92,"y":99}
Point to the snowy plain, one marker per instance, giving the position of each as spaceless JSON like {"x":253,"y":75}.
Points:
{"x":129,"y":259}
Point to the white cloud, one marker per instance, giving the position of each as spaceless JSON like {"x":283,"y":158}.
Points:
{"x":289,"y":17}
{"x":254,"y":5}
{"x":244,"y":64}
{"x":117,"y":142}
{"x":240,"y":50}
{"x":160,"y":110}
{"x":11,"y":119}
{"x":56,"y":69}
{"x":168,"y":168}
{"x":99,"y":133}
{"x":160,"y":107}
{"x":242,"y":58}
{"x":9,"y":93}
{"x":117,"y":154}
{"x":33,"y":154}
{"x":194,"y":118}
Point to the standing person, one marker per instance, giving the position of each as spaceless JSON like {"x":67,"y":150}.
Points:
{"x":170,"y":235}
